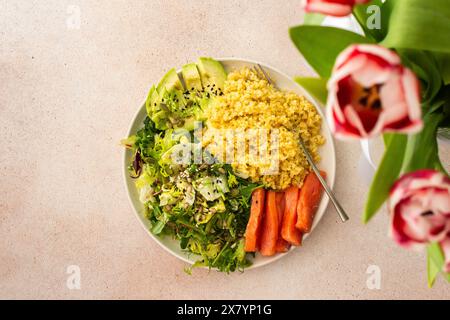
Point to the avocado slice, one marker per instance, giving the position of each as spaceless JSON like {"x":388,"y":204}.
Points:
{"x":191,"y":77}
{"x":153,"y":100}
{"x":189,"y":123}
{"x":155,"y":110}
{"x":169,"y":82}
{"x":168,"y":104}
{"x":211,"y":72}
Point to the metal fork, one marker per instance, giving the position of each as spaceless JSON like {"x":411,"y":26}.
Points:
{"x":342,"y":214}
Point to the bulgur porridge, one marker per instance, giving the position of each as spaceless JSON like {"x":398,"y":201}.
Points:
{"x":272,"y":121}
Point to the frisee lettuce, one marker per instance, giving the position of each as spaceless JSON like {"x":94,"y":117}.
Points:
{"x":204,"y":206}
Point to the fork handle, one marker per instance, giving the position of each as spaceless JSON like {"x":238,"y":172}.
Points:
{"x":342,"y":214}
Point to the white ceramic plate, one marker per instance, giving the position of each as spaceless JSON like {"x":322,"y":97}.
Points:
{"x":327,"y":153}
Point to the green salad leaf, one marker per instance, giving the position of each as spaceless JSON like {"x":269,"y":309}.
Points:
{"x":205,"y":206}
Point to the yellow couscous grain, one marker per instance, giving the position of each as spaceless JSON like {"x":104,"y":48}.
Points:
{"x":251,"y":103}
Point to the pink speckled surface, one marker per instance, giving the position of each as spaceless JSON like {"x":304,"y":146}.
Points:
{"x":67,"y":97}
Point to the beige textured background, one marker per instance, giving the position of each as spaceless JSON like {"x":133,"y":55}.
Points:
{"x":67,"y":98}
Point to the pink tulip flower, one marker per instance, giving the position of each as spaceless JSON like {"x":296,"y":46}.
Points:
{"x":370,"y":92}
{"x":336,"y":8}
{"x":419,"y":205}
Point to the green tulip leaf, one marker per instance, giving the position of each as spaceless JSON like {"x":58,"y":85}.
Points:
{"x":419,"y":24}
{"x":432,"y":271}
{"x":388,"y":171}
{"x":313,"y":19}
{"x":425,"y":66}
{"x":387,"y":137}
{"x":317,"y":87}
{"x":435,"y":262}
{"x":443,"y":61}
{"x":367,"y":16}
{"x":422,"y":148}
{"x":441,"y":101}
{"x":321,"y":45}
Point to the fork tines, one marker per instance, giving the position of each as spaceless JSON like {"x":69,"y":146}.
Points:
{"x":262,"y":73}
